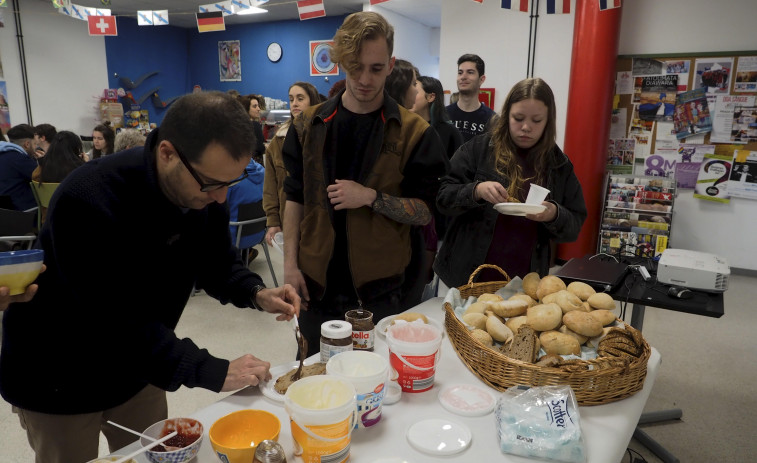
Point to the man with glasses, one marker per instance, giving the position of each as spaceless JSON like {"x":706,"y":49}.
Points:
{"x":127,"y":238}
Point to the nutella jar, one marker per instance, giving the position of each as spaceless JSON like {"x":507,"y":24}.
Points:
{"x":336,"y":336}
{"x":363,"y":332}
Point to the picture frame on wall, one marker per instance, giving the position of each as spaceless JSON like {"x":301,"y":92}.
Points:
{"x":229,"y":61}
{"x":320,"y":59}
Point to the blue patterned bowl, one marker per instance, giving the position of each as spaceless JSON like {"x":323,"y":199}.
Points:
{"x":189,"y":438}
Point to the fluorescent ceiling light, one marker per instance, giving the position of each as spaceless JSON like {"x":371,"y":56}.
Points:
{"x":250,"y":10}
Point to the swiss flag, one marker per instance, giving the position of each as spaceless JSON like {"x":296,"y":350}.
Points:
{"x":102,"y":25}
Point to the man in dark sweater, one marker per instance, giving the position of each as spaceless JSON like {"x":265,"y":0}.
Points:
{"x":127,"y":238}
{"x":470,"y":116}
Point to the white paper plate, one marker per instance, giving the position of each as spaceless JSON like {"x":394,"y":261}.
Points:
{"x":266,"y":387}
{"x":467,"y":399}
{"x":519,"y":209}
{"x":438,"y":436}
{"x":383,"y":325}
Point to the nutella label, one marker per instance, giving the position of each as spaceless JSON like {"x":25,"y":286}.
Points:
{"x":363,"y":339}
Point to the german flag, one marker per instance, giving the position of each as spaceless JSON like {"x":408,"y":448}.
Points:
{"x":209,"y":22}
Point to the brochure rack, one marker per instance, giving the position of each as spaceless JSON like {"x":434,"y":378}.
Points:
{"x":637,"y":214}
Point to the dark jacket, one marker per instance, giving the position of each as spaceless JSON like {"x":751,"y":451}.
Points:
{"x":470,"y":232}
{"x":404,"y":159}
{"x":121,"y":264}
{"x":16,"y":167}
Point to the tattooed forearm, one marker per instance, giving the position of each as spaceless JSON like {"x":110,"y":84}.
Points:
{"x":411,"y":211}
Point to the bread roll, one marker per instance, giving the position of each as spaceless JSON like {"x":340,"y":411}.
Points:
{"x":581,"y":289}
{"x":476,"y":320}
{"x":565,"y":330}
{"x":509,"y":309}
{"x":544,"y":317}
{"x":523,"y":297}
{"x":516,"y":322}
{"x":582,"y":323}
{"x":549,"y":360}
{"x":548,"y":285}
{"x":601,"y":301}
{"x":554,"y":342}
{"x":477,"y":307}
{"x":568,"y":301}
{"x":605,"y":317}
{"x":497,"y":329}
{"x":488,"y":297}
{"x":530,"y":284}
{"x":483,"y":337}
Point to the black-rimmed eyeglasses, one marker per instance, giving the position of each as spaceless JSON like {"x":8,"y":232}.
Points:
{"x":205,"y":187}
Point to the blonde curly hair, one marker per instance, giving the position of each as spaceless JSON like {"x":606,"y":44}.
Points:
{"x":358,"y":27}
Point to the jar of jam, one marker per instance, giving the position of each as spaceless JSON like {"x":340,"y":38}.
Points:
{"x":336,"y":336}
{"x":363,"y":330}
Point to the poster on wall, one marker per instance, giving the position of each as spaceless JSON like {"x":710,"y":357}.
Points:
{"x":722,"y":116}
{"x":320,"y":59}
{"x":746,"y":75}
{"x":658,"y":97}
{"x":712,"y":182}
{"x":744,"y":129}
{"x":486,"y":96}
{"x":743,"y":182}
{"x":692,"y":114}
{"x":229,"y":62}
{"x":689,"y":162}
{"x":713,"y":74}
{"x":681,"y":69}
{"x":5,"y":115}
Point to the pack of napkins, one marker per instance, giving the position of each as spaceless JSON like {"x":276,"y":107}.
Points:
{"x":540,"y":422}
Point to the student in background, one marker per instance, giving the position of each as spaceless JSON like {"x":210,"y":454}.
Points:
{"x":64,"y":155}
{"x":43,"y":135}
{"x":128,"y":138}
{"x":361,"y":196}
{"x":429,"y":104}
{"x":400,"y":84}
{"x":469,"y":114}
{"x":252,"y":104}
{"x":16,"y":166}
{"x":500,"y":166}
{"x":302,"y":95}
{"x":103,"y":138}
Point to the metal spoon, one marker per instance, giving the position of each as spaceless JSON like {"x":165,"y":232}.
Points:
{"x":303,"y":346}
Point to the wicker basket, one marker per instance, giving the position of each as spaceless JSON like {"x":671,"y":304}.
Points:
{"x":594,"y":382}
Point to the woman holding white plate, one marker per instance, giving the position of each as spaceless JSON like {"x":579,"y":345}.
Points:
{"x":487,"y":186}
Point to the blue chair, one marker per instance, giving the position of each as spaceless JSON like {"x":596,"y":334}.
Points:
{"x":250,"y":231}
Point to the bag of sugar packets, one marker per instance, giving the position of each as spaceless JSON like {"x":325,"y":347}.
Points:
{"x":540,"y":422}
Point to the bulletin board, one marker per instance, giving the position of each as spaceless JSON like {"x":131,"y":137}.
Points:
{"x":671,"y":108}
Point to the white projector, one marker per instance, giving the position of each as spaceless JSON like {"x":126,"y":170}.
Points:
{"x":693,"y":269}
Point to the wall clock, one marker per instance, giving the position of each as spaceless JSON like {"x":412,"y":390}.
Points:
{"x":274,"y":52}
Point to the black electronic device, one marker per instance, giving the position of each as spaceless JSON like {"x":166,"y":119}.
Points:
{"x":680,"y":293}
{"x":601,"y":273}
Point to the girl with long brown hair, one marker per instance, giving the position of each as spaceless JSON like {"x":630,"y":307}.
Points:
{"x":499,"y":167}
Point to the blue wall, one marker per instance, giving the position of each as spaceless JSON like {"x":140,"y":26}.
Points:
{"x":185,"y":58}
{"x":138,"y":50}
